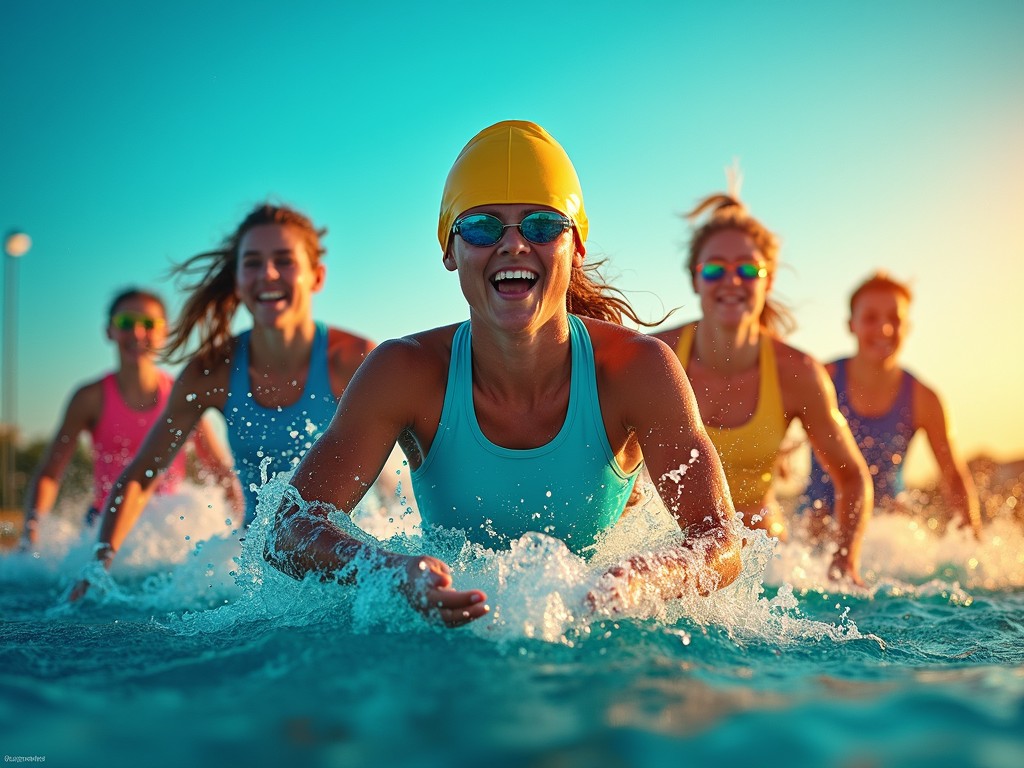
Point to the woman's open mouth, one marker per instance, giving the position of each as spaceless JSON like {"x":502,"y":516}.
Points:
{"x":514,"y":281}
{"x":270,"y":297}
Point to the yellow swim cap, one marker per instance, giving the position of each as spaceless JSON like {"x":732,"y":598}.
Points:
{"x":513,"y":161}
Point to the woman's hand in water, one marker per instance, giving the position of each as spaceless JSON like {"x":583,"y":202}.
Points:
{"x":104,"y":557}
{"x":612,"y":594}
{"x":844,"y":567}
{"x":428,"y":588}
{"x":640,"y":584}
{"x":78,"y":591}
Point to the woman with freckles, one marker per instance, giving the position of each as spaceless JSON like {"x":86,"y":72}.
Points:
{"x":535,"y":414}
{"x":750,"y":385}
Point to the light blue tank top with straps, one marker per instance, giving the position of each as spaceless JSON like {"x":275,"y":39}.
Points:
{"x":278,"y":437}
{"x":883,"y":440}
{"x":571,"y":488}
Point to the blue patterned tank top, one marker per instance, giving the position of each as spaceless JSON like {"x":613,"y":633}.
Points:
{"x":883,"y":440}
{"x":271,"y":440}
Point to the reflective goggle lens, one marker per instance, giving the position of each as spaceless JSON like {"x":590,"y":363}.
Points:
{"x":482,"y":229}
{"x":126,"y":321}
{"x":747,"y":270}
{"x":711,"y":272}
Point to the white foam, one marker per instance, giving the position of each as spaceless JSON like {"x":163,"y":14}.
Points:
{"x":182,"y":552}
{"x":537,"y":589}
{"x":911,"y":555}
{"x":184,"y":557}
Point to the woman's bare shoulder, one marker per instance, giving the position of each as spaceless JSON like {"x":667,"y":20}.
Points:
{"x":671,"y":336}
{"x":623,"y":355}
{"x":928,"y":403}
{"x":347,"y":345}
{"x":806,"y":386}
{"x":86,"y":401}
{"x":422,"y":354}
{"x":90,"y":391}
{"x":794,"y":363}
{"x":206,"y":380}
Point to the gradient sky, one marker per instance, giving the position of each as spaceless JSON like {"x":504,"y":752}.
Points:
{"x":870,"y":135}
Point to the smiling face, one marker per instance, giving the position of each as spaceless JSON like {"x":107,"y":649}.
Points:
{"x":275,"y":277}
{"x":514,"y":284}
{"x":731,"y":300}
{"x":138,"y":327}
{"x":879,"y":321}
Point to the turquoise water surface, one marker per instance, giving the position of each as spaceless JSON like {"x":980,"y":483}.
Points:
{"x":194,"y":649}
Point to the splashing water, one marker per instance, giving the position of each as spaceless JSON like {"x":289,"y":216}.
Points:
{"x":537,"y":588}
{"x":202,"y":646}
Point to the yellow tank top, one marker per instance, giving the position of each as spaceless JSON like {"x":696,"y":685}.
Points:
{"x":748,"y":451}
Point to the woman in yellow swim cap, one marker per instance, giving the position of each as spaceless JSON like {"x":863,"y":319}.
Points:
{"x":534,"y":415}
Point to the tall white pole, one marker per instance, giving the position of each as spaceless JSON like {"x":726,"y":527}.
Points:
{"x":16,"y":245}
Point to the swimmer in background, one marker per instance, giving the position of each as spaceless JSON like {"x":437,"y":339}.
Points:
{"x":885,"y":405}
{"x":750,"y":385}
{"x":117,"y":410}
{"x":277,"y":384}
{"x":536,"y":414}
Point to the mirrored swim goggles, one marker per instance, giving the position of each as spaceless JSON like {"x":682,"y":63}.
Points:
{"x":711,"y":271}
{"x":126,"y":321}
{"x":482,"y":229}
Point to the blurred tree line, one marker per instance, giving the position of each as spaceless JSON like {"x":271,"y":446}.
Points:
{"x":77,"y":481}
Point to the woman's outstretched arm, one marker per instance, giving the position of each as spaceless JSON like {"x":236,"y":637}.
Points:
{"x":656,"y":403}
{"x":377,"y":406}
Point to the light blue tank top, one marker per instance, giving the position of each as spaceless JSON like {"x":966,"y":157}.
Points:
{"x":572,"y":488}
{"x":883,"y":440}
{"x":278,"y":436}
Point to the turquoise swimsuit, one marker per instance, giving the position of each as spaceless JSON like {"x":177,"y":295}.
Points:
{"x":572,"y":488}
{"x":278,"y":436}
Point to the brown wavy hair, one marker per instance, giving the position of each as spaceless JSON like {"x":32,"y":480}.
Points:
{"x":880,"y":281}
{"x":209,"y":280}
{"x":727,"y":212}
{"x":590,"y":296}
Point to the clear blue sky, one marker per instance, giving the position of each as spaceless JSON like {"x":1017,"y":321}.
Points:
{"x":869,"y":134}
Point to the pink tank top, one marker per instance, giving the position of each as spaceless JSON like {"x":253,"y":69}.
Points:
{"x":118,"y":435}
